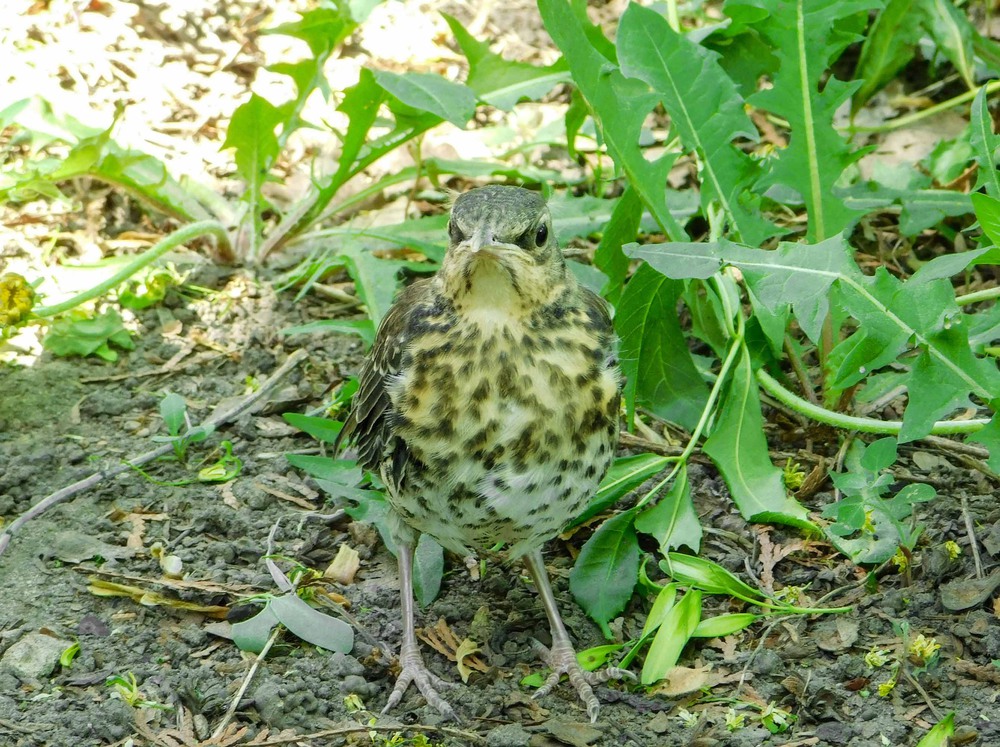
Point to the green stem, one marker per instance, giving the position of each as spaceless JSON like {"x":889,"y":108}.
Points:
{"x":178,"y":237}
{"x":854,"y":423}
{"x":706,"y":413}
{"x":987,"y":294}
{"x":895,"y":124}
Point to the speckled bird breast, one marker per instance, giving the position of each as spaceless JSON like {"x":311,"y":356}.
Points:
{"x":510,"y":429}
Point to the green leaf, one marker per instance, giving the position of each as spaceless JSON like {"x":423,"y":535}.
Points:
{"x":672,"y":521}
{"x":622,"y":227}
{"x":499,"y":82}
{"x":807,"y":37}
{"x":321,"y":28}
{"x":252,"y":134}
{"x":952,"y":33}
{"x":723,"y":625}
{"x":252,"y":634}
{"x":690,"y":570}
{"x":322,"y":429}
{"x":988,"y":214}
{"x":889,"y":45}
{"x":606,"y":570}
{"x":939,"y":734}
{"x":655,"y":360}
{"x":984,"y":144}
{"x":431,"y":93}
{"x":990,"y":438}
{"x":879,"y":455}
{"x":661,"y":606}
{"x":618,"y":105}
{"x":671,"y":638}
{"x":428,"y":570}
{"x":363,"y":328}
{"x":311,"y":625}
{"x":739,"y":449}
{"x":73,"y":335}
{"x":375,"y":279}
{"x":706,"y":110}
{"x":173,"y":409}
{"x":626,"y":474}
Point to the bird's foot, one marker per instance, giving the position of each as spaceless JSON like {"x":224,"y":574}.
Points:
{"x":561,"y":659}
{"x":415,"y":671}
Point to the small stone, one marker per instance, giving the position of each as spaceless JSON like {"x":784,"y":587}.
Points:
{"x":660,"y":723}
{"x":508,"y":735}
{"x":33,"y":657}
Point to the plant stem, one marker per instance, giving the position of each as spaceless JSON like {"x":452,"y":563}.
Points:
{"x":895,"y":124}
{"x":178,"y":237}
{"x":853,"y":423}
{"x":986,"y":294}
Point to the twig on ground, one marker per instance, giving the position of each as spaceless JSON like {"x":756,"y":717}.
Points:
{"x":469,"y":736}
{"x":215,"y":419}
{"x":973,"y":542}
{"x":247,"y":679}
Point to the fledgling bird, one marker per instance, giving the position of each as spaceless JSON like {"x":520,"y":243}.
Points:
{"x":489,"y":406}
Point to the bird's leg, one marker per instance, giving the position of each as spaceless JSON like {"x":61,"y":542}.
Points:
{"x":561,"y":658}
{"x":411,"y":662}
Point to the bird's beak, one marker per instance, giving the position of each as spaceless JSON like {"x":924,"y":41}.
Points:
{"x":481,"y":242}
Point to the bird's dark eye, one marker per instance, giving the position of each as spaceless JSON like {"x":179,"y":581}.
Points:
{"x":455,"y":233}
{"x":542,"y":236}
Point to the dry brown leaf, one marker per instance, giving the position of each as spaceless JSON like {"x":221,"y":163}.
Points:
{"x":226,"y":490}
{"x":996,"y":606}
{"x":771,"y":555}
{"x":101,"y":588}
{"x":344,"y":566}
{"x":442,"y":639}
{"x":137,"y":518}
{"x":682,"y":680}
{"x":465,"y":649}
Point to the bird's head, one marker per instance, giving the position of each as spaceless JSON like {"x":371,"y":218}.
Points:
{"x":502,"y":253}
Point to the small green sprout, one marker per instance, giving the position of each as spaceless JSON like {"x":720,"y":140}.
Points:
{"x":67,"y":656}
{"x":735,"y":721}
{"x":688,"y":719}
{"x":776,"y":720}
{"x":877,"y":658}
{"x":793,"y":475}
{"x":953,"y":549}
{"x":127,"y":688}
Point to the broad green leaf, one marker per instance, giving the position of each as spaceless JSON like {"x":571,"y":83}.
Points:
{"x":723,"y":625}
{"x":889,"y":45}
{"x":739,"y":449}
{"x":618,"y":105}
{"x":807,"y":37}
{"x":990,"y":438}
{"x":499,"y":82}
{"x":656,"y":362}
{"x":988,"y":214}
{"x":432,"y":93}
{"x":622,"y":227}
{"x":939,"y":734}
{"x":322,"y":429}
{"x":672,"y":521}
{"x":375,"y":278}
{"x":661,"y":606}
{"x":363,"y":328}
{"x":338,"y":477}
{"x":952,"y":33}
{"x":626,"y":474}
{"x":75,"y":335}
{"x":690,"y":570}
{"x":706,"y":110}
{"x":252,"y":133}
{"x":606,"y":570}
{"x":428,"y":569}
{"x":311,"y":625}
{"x":671,"y":638}
{"x":252,"y":634}
{"x":921,"y":207}
{"x":172,"y":410}
{"x":593,"y":658}
{"x":985,"y":145}
{"x":879,"y":455}
{"x":321,"y":28}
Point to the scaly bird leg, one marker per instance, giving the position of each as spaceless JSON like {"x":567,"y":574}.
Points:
{"x":411,"y":662}
{"x":561,"y":658}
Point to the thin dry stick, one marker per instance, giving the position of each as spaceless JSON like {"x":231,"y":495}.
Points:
{"x":470,"y":737}
{"x":973,"y":543}
{"x":215,"y":419}
{"x":231,"y":711}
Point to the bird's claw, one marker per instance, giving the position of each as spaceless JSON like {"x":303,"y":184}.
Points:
{"x":415,"y":671}
{"x":561,"y":659}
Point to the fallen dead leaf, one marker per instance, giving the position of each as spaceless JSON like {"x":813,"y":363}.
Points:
{"x":682,"y":680}
{"x":441,"y":638}
{"x":344,"y":566}
{"x":466,"y":648}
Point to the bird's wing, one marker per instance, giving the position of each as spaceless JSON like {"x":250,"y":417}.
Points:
{"x":369,"y":424}
{"x":599,"y":320}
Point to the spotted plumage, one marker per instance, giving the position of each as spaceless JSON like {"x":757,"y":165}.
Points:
{"x":489,"y":402}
